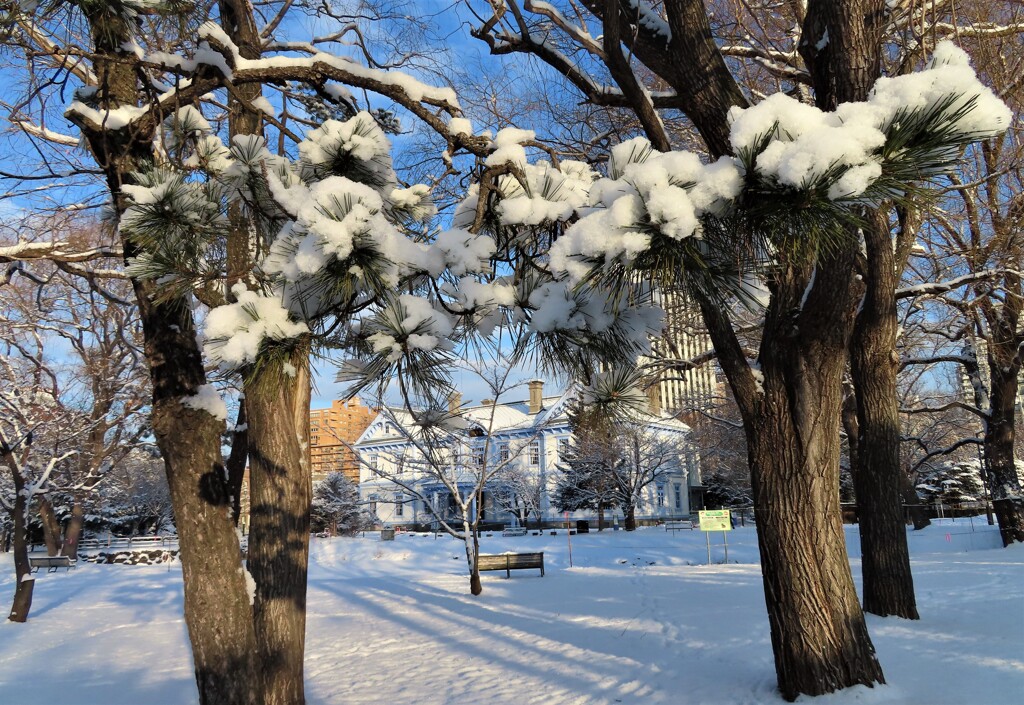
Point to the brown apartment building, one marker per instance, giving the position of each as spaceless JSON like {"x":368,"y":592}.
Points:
{"x":329,"y":429}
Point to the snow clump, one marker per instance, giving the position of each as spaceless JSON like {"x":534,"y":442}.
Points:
{"x":235,"y":332}
{"x":207,"y":399}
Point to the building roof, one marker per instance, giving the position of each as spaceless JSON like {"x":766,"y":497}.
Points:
{"x":502,"y":418}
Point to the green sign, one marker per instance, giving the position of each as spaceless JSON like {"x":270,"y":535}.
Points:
{"x":715,"y":520}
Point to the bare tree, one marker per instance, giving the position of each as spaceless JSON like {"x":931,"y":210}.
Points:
{"x":448,"y":458}
{"x":519,"y":492}
{"x":32,"y":447}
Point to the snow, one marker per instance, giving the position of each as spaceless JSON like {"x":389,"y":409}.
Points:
{"x":250,"y":584}
{"x":235,"y":332}
{"x":359,"y":138}
{"x":264,"y":106}
{"x":508,"y":148}
{"x":209,"y":400}
{"x":638,"y":618}
{"x":460,"y":126}
{"x":414,"y":89}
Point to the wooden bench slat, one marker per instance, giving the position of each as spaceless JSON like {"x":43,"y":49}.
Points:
{"x":510,"y":561}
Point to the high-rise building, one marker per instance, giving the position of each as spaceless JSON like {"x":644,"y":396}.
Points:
{"x":329,"y":430}
{"x":683,"y":391}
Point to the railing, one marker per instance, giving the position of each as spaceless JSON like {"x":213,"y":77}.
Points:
{"x":128,"y":542}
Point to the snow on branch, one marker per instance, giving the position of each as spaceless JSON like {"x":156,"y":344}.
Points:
{"x":57,"y":250}
{"x":946,"y":451}
{"x":46,"y":134}
{"x":944,"y":287}
{"x":909,"y":129}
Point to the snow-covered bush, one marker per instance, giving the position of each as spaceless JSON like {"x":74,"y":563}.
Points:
{"x":952,"y":483}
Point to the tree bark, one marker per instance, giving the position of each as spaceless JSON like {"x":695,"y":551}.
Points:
{"x":217,"y":611}
{"x":280,"y":497}
{"x":25,"y":585}
{"x":1003,"y":482}
{"x":73,"y":534}
{"x":630,"y":519}
{"x":51,"y":527}
{"x":819,"y":636}
{"x":476,"y":585}
{"x":913,"y":503}
{"x":885,"y":565}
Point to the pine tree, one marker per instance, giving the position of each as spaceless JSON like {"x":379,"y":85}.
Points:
{"x":336,"y":506}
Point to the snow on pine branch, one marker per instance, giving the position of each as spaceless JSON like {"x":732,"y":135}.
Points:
{"x":236,"y":332}
{"x":910,"y":128}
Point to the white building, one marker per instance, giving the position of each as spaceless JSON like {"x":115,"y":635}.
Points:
{"x":530,"y":436}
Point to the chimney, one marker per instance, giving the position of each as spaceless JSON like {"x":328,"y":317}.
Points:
{"x":654,"y":396}
{"x":536,"y":395}
{"x":454,"y":403}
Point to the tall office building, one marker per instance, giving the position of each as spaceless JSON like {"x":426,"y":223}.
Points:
{"x":685,"y":338}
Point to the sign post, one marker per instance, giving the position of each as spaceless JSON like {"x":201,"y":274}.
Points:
{"x":716,"y":520}
{"x":568,"y":536}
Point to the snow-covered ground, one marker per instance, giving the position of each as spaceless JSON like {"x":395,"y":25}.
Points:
{"x":637,"y":618}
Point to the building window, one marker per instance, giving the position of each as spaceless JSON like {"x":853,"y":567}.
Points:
{"x":678,"y":497}
{"x":535,"y":453}
{"x":399,"y":506}
{"x":660,"y":494}
{"x":503,"y":453}
{"x":372,"y":461}
{"x":563,"y":448}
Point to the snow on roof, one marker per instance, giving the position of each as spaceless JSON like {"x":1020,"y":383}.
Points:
{"x":503,"y":417}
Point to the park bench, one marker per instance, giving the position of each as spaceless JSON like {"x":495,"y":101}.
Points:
{"x":679,"y":525}
{"x":51,"y":563}
{"x":511,"y":561}
{"x":514,"y":531}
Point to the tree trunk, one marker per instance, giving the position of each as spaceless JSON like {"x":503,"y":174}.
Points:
{"x":217,"y":611}
{"x":280,"y":496}
{"x":819,"y":636}
{"x":630,"y":517}
{"x":1003,"y":481}
{"x":888,"y":581}
{"x":473,"y":557}
{"x":22,"y":603}
{"x":600,"y":516}
{"x":913,"y":503}
{"x":51,"y":527}
{"x":73,"y":534}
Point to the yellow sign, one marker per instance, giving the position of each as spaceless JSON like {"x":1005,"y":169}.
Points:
{"x":715,"y":520}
